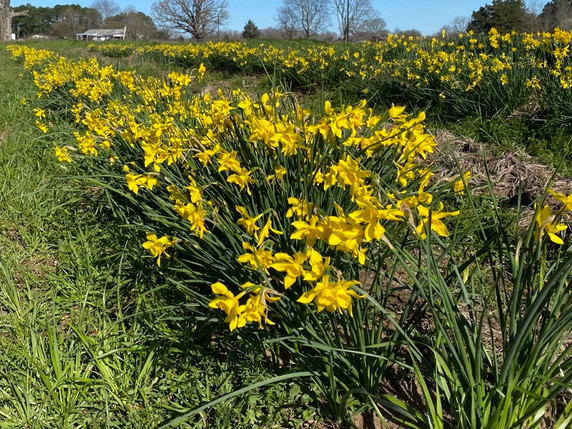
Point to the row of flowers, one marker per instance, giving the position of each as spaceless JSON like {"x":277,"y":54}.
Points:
{"x":496,"y":70}
{"x":343,"y":181}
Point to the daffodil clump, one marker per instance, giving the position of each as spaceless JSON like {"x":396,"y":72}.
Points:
{"x":291,"y":204}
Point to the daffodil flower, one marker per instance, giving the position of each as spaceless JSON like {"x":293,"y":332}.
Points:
{"x":319,"y":265}
{"x":62,"y":154}
{"x":292,"y":266}
{"x":331,"y":296}
{"x":256,"y":257}
{"x":242,"y":179}
{"x":248,"y":222}
{"x":227,"y":302}
{"x":308,"y":231}
{"x":437,"y":224}
{"x":545,"y":223}
{"x":564,"y":199}
{"x":459,"y":184}
{"x":265,"y":231}
{"x":158,"y":246}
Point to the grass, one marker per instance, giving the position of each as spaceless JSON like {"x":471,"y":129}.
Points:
{"x":81,"y":343}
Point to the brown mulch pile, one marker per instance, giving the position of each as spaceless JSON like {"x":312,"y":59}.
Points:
{"x":512,"y":174}
{"x":509,"y":172}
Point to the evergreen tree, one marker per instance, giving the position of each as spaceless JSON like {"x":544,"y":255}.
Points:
{"x":504,"y":15}
{"x":250,"y":31}
{"x":482,"y":19}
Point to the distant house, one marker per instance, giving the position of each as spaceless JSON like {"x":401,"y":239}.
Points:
{"x":100,"y":35}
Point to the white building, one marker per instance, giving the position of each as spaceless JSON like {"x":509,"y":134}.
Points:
{"x":100,"y":35}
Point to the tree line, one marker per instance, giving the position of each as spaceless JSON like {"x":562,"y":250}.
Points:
{"x":356,"y":19}
{"x":206,"y":19}
{"x":296,"y":18}
{"x":65,"y":21}
{"x":509,"y":15}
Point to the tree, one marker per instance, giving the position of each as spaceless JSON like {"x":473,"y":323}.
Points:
{"x":371,"y":28}
{"x":6,"y":15}
{"x":351,"y":14}
{"x":459,"y":24}
{"x":411,"y":32}
{"x":106,"y":8}
{"x":287,"y":22}
{"x":70,"y":20}
{"x":250,"y":31}
{"x":195,"y":17}
{"x":482,"y":19}
{"x":139,"y":26}
{"x":307,"y":16}
{"x":504,"y":15}
{"x":59,"y":21}
{"x":556,"y":13}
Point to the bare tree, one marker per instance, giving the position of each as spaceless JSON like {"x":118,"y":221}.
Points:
{"x":73,"y":20}
{"x":350,"y":15}
{"x":372,"y":28}
{"x":564,"y":15}
{"x":457,"y":26}
{"x":307,"y":16}
{"x":106,"y":8}
{"x":195,"y":17}
{"x":287,"y":21}
{"x":535,"y":8}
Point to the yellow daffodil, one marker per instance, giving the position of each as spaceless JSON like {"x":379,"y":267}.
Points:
{"x":195,"y":214}
{"x":279,"y":173}
{"x":62,"y":154}
{"x":242,"y":179}
{"x":227,"y":302}
{"x":564,"y":199}
{"x":291,"y":265}
{"x":319,"y":264}
{"x":545,"y":223}
{"x":459,"y":184}
{"x":228,"y":161}
{"x":332,"y":296}
{"x":396,"y":112}
{"x":201,"y":72}
{"x":433,"y":216}
{"x":256,"y":257}
{"x":310,"y":231}
{"x":158,"y":246}
{"x":42,"y":126}
{"x":300,"y":208}
{"x":265,"y":231}
{"x":254,"y":310}
{"x":247,"y":222}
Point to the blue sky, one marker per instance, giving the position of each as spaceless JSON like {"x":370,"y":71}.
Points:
{"x":427,"y":16}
